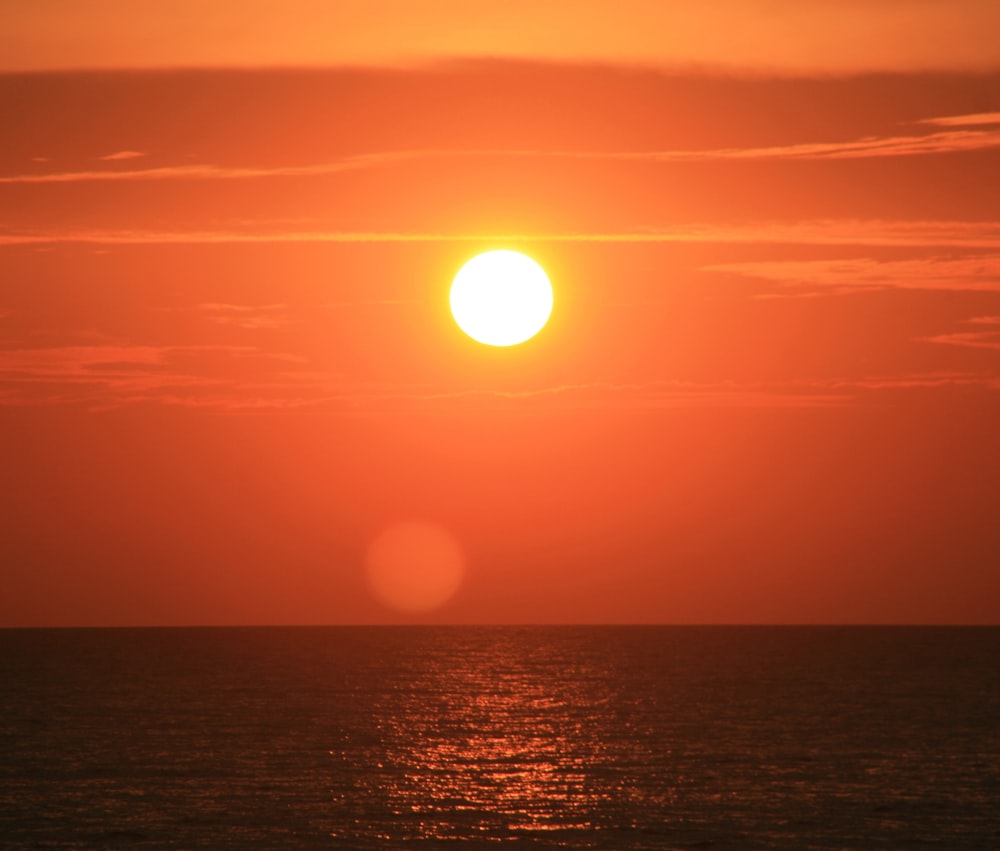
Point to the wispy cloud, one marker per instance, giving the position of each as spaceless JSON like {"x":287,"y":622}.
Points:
{"x":981,"y":132}
{"x":215,"y":172}
{"x":116,"y":374}
{"x":985,"y":336}
{"x":973,"y":120}
{"x":977,"y":273}
{"x":368,"y":302}
{"x":329,"y":394}
{"x":249,"y":316}
{"x":603,"y":395}
{"x":68,"y":361}
{"x":868,"y":147}
{"x":247,"y":379}
{"x":122,"y":155}
{"x":860,"y":232}
{"x":909,"y":381}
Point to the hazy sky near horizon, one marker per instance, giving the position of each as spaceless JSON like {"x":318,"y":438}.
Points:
{"x":769,"y":391}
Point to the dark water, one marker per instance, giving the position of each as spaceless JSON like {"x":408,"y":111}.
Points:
{"x":561,"y":737}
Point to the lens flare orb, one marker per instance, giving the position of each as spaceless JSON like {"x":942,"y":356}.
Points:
{"x":414,"y":566}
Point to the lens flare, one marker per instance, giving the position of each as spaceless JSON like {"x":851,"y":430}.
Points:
{"x":414,"y":566}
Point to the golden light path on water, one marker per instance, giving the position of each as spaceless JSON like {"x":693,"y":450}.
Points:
{"x":494,"y":748}
{"x":511,"y":759}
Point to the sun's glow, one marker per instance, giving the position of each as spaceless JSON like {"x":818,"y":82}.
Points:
{"x":501,"y":298}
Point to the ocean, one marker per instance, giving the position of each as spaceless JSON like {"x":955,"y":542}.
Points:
{"x":539,"y":737}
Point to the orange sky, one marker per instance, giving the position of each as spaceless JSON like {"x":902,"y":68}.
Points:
{"x":769,"y":392}
{"x":817,"y":36}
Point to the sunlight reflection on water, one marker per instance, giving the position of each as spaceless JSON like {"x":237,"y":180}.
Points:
{"x":497,"y":747}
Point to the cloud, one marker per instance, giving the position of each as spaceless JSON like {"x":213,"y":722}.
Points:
{"x":122,"y":155}
{"x":976,"y":273}
{"x":909,"y":381}
{"x":893,"y":146}
{"x":368,"y":302}
{"x":942,"y":142}
{"x":246,"y":379}
{"x":249,"y":316}
{"x":859,"y":232}
{"x":987,"y":335}
{"x":68,"y":361}
{"x":652,"y":395}
{"x":972,"y":120}
{"x":660,"y":394}
{"x":367,"y":399}
{"x":215,"y":172}
{"x":114,"y":374}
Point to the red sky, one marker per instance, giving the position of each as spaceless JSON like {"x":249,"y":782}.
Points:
{"x":769,"y":392}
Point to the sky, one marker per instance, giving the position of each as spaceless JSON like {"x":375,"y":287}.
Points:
{"x":230,"y":383}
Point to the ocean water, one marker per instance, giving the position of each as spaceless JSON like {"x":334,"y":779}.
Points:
{"x":540,"y":737}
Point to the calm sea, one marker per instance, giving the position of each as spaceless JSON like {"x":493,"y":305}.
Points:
{"x":542,"y":737}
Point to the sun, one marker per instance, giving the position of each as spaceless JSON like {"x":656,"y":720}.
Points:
{"x":501,"y":298}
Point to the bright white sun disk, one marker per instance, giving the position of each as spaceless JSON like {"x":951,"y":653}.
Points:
{"x":501,"y":298}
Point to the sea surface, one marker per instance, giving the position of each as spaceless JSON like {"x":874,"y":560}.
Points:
{"x":539,"y":737}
